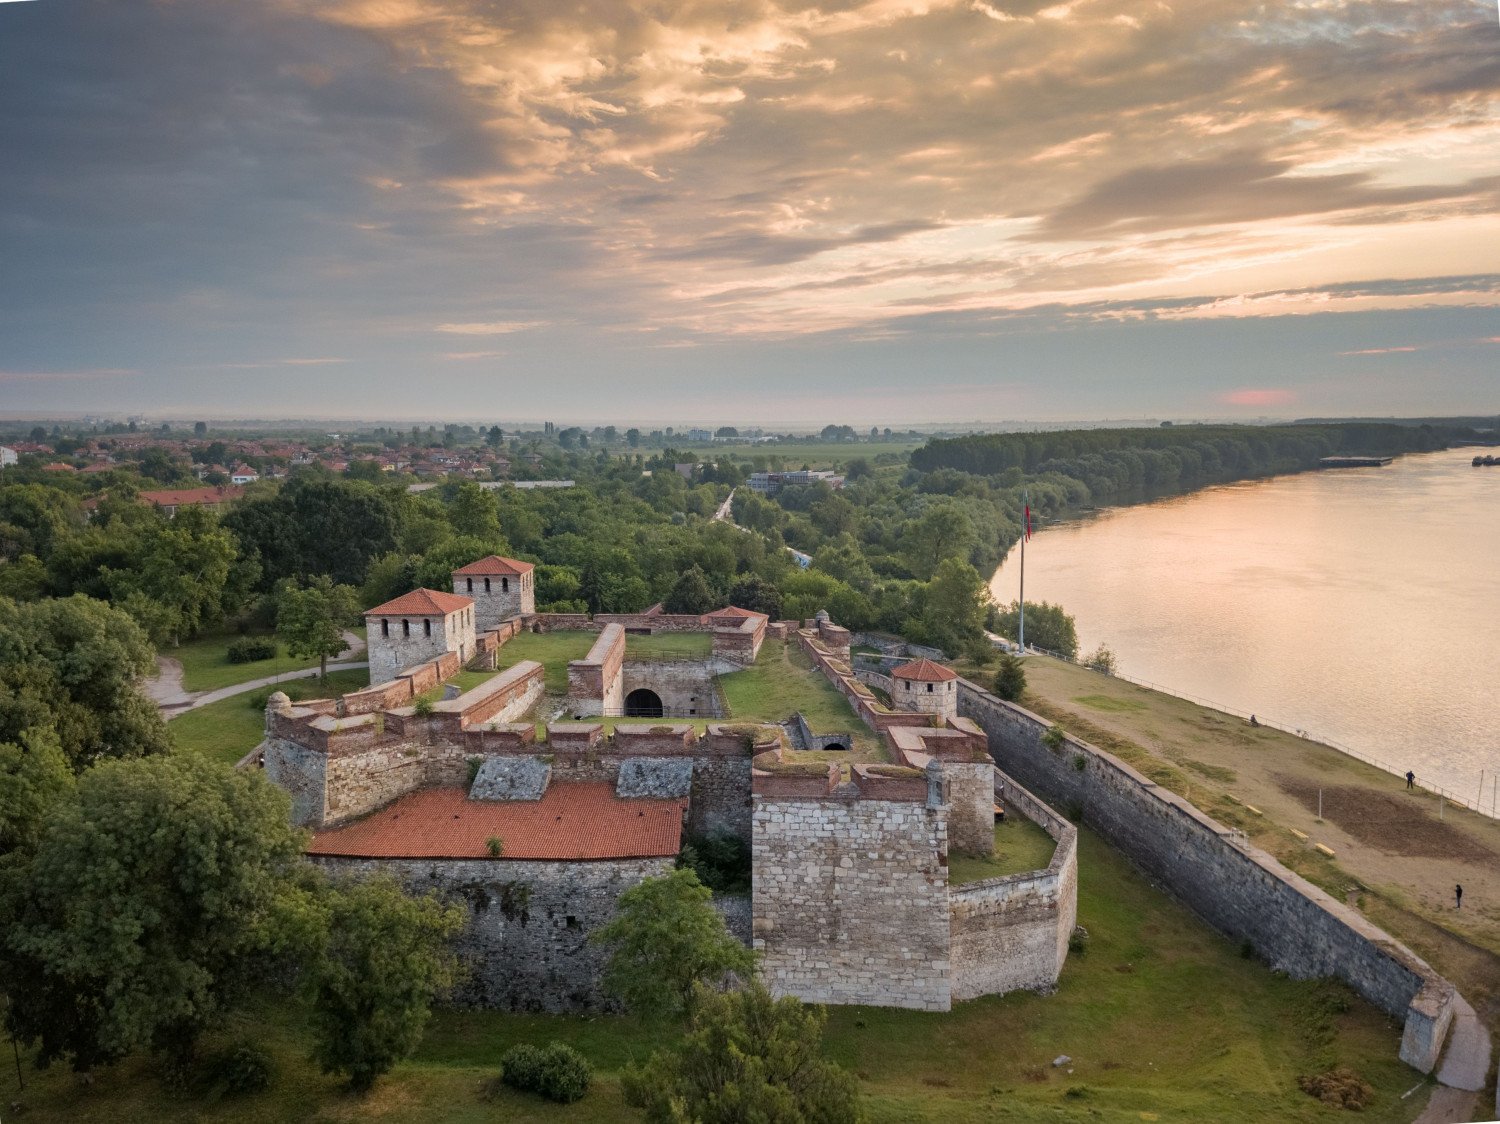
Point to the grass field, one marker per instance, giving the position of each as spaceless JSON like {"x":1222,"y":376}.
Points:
{"x":1164,"y":1020}
{"x":206,"y":666}
{"x":232,"y":727}
{"x":783,"y":682}
{"x":1019,"y":846}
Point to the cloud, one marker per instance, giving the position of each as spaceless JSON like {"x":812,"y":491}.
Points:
{"x":490,"y":327}
{"x":1378,"y":351}
{"x":1262,"y":396}
{"x":66,"y":376}
{"x":461,"y":356}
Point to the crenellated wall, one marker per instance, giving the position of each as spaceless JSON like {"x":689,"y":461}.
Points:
{"x":1237,"y":888}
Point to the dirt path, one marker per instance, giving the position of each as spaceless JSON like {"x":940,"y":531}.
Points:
{"x":165,"y":688}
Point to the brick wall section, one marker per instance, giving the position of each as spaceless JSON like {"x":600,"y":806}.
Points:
{"x":594,"y":682}
{"x":851,"y":900}
{"x":1237,"y":888}
{"x":685,"y":687}
{"x":526,"y":943}
{"x":1011,"y":933}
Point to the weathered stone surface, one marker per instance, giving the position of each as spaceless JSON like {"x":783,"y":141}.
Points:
{"x":851,"y":901}
{"x":656,"y":777}
{"x":511,"y":778}
{"x":526,"y":943}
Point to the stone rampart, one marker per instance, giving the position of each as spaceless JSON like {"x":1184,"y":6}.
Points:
{"x":1011,"y":933}
{"x":595,"y":682}
{"x":685,"y":687}
{"x":851,"y":898}
{"x":1237,"y":888}
{"x":526,"y":941}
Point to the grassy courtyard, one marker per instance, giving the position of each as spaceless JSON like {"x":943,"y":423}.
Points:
{"x":783,"y":682}
{"x":1164,"y":1020}
{"x":1019,"y":846}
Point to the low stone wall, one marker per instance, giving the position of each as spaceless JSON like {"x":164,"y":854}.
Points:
{"x":595,"y":682}
{"x":1011,"y":933}
{"x":1237,"y":888}
{"x":526,"y":942}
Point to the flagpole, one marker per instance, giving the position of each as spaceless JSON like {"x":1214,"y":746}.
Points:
{"x":1025,"y":534}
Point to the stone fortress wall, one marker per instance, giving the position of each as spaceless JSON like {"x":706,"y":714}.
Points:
{"x":1011,"y":933}
{"x":1237,"y":888}
{"x":595,"y":683}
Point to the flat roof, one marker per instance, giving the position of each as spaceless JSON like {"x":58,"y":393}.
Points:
{"x":572,"y":821}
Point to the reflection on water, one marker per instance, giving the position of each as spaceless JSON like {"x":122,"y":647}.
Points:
{"x":1362,"y":605}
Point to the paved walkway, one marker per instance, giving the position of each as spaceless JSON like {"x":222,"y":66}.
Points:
{"x":171,"y":698}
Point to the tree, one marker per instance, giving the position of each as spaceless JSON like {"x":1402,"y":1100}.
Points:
{"x":146,"y":909}
{"x":69,"y":665}
{"x":746,"y":1057}
{"x":200,"y":429}
{"x":666,"y":939}
{"x":1010,"y":678}
{"x":1047,"y":626}
{"x":312,"y":620}
{"x":955,"y":604}
{"x":181,"y":565}
{"x":755,"y":593}
{"x":473,"y":512}
{"x":316,"y":524}
{"x":943,"y":531}
{"x":726,"y":431}
{"x":34,"y":777}
{"x":385,"y":959}
{"x":691,"y":593}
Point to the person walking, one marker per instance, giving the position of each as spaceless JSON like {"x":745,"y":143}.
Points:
{"x":1458,"y":897}
{"x":1410,"y":778}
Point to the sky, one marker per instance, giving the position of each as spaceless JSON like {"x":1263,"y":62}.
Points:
{"x":884,"y":212}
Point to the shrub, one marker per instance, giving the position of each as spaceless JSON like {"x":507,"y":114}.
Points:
{"x":495,"y":846}
{"x":249,"y":649}
{"x":1100,"y":659}
{"x":721,"y":862}
{"x":1010,"y":678}
{"x":1078,"y":941}
{"x":240,"y":1070}
{"x":1080,"y":762}
{"x":555,"y":1071}
{"x":1340,"y":1087}
{"x":422,"y":706}
{"x":1052,"y":738}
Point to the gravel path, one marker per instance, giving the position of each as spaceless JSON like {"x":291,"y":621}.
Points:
{"x":165,"y":688}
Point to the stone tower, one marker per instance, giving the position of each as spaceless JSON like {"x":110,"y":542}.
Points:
{"x":501,"y":588}
{"x":417,"y":627}
{"x":926,"y":687}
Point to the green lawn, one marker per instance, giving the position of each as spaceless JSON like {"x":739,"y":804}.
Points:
{"x":670,"y":646}
{"x":783,"y":682}
{"x":552,"y":650}
{"x":1019,"y":846}
{"x":206,"y":666}
{"x":230,"y":728}
{"x":1163,"y":1018}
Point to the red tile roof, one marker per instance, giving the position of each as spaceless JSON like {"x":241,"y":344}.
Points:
{"x":731,"y":611}
{"x":924,"y":671}
{"x":570,"y":821}
{"x":421,"y":603}
{"x":494,"y":564}
{"x":188,"y":497}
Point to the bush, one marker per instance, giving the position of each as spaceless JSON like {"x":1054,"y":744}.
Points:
{"x":1053,"y":737}
{"x":555,"y":1071}
{"x":249,"y":649}
{"x":1010,"y":678}
{"x":238,"y":1071}
{"x":721,"y":862}
{"x":1100,"y":659}
{"x":1078,"y":941}
{"x":1341,"y":1087}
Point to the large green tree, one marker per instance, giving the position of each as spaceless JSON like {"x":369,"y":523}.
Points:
{"x":146,"y":907}
{"x":316,"y":524}
{"x":746,"y":1057}
{"x":69,"y":665}
{"x":311,"y":620}
{"x":385,"y":959}
{"x":665,"y":940}
{"x":1048,"y":627}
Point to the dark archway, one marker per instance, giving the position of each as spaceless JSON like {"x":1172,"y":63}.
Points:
{"x":642,"y":703}
{"x":836,"y":745}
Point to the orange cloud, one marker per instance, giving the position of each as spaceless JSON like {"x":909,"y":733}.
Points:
{"x":1259,"y":396}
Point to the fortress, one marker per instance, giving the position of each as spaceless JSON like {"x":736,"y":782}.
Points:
{"x":550,"y":785}
{"x":539,"y":804}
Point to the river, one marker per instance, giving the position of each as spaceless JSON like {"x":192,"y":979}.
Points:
{"x":1360,"y":605}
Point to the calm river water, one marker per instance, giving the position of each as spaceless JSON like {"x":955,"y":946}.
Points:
{"x":1359,"y":605}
